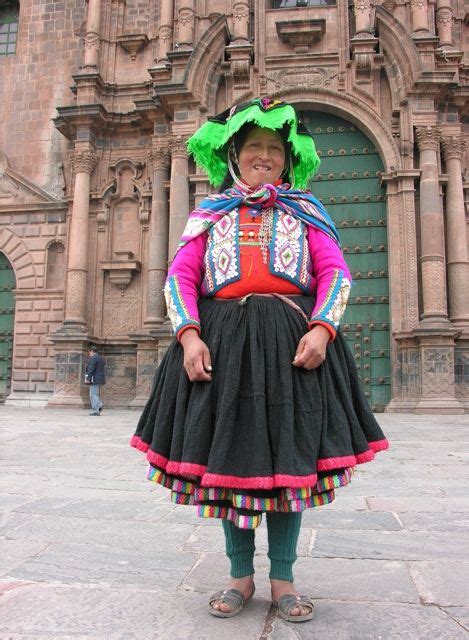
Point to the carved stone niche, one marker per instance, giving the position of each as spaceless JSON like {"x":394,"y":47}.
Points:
{"x":121,"y":269}
{"x":133,"y":43}
{"x":125,"y":210}
{"x":301,"y":34}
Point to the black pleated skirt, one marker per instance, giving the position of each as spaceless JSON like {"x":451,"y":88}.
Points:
{"x":262,"y":435}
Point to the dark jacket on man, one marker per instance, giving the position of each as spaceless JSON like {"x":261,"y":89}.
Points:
{"x":95,"y":369}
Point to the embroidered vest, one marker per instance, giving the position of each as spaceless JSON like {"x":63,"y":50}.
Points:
{"x":288,"y":252}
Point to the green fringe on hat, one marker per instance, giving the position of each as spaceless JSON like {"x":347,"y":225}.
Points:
{"x":209,"y":145}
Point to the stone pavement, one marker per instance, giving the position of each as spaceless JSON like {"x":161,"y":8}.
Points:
{"x":90,"y":549}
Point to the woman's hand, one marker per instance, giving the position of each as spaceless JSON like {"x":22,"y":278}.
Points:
{"x":311,"y":351}
{"x":197,"y":361}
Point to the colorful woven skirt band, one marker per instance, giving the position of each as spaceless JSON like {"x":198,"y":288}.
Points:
{"x":243,"y":507}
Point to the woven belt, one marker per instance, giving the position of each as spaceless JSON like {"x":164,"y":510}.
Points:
{"x":290,"y":303}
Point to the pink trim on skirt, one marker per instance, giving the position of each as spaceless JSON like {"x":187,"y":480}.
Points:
{"x":260,"y":482}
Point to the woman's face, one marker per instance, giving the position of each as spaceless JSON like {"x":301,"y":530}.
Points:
{"x":262,"y":157}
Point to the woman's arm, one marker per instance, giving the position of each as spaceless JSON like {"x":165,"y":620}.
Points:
{"x":333,"y":281}
{"x":182,"y":287}
{"x":182,"y":291}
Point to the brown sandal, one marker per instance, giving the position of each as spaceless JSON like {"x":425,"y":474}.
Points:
{"x":233,"y":598}
{"x":288,"y":602}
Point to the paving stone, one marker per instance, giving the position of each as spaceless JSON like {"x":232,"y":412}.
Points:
{"x":461,"y":614}
{"x":9,"y":502}
{"x":122,"y":533}
{"x":118,"y":614}
{"x":11,"y":521}
{"x":343,"y":520}
{"x":105,"y":509}
{"x":435,"y":521}
{"x":107,"y":565}
{"x":335,"y":578}
{"x":336,"y":620}
{"x":443,"y":583}
{"x":391,"y":545}
{"x":400,"y":505}
{"x":362,"y":580}
{"x":349,"y":502}
{"x":15,"y":552}
{"x":92,"y":564}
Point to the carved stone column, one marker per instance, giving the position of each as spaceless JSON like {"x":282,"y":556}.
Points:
{"x":435,"y":335}
{"x":419,"y":13}
{"x":444,"y":23}
{"x":432,"y":259}
{"x":159,"y":229}
{"x":179,"y":193}
{"x":83,"y":163}
{"x":165,"y":31}
{"x":457,"y":258}
{"x":240,"y":50}
{"x":240,"y":20}
{"x":362,"y":10}
{"x":92,"y":37}
{"x":186,"y":20}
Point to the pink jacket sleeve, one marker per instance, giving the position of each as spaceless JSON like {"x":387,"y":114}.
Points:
{"x":182,"y":287}
{"x":333,"y":280}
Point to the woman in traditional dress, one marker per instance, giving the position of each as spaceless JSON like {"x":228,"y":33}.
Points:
{"x":257,"y":407}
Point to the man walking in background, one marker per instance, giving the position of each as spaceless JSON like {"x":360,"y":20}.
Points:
{"x":94,"y":376}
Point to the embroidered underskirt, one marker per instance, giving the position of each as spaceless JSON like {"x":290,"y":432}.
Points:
{"x":245,"y":507}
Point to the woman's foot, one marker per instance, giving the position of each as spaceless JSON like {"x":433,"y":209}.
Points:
{"x":244,"y":585}
{"x":282,"y":588}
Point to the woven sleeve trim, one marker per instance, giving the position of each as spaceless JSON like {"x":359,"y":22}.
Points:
{"x":333,"y":306}
{"x":176,"y":305}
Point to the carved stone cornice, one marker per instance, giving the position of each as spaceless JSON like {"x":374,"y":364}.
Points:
{"x":159,"y":158}
{"x":453,"y":147}
{"x":83,"y":161}
{"x":428,"y":137}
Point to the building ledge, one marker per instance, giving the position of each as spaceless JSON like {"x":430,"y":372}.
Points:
{"x":301,"y":33}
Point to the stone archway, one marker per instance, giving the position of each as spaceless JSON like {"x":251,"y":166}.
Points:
{"x":7,"y":323}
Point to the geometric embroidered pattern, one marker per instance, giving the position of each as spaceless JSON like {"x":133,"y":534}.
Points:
{"x":222,"y":253}
{"x":333,"y":306}
{"x":290,"y":258}
{"x":176,"y":307}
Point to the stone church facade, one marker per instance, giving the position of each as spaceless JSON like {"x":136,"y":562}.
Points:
{"x":98,"y":100}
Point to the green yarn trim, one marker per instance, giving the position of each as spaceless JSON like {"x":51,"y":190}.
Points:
{"x":209,"y":145}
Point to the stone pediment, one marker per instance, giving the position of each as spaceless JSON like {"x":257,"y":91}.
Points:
{"x":16,"y":189}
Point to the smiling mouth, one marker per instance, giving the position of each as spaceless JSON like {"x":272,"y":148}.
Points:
{"x":261,"y":167}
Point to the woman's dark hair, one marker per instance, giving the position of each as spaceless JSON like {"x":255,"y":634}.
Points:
{"x":239,"y":139}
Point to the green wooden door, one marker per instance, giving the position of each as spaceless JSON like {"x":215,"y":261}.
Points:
{"x":348,"y":183}
{"x":7,"y":311}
